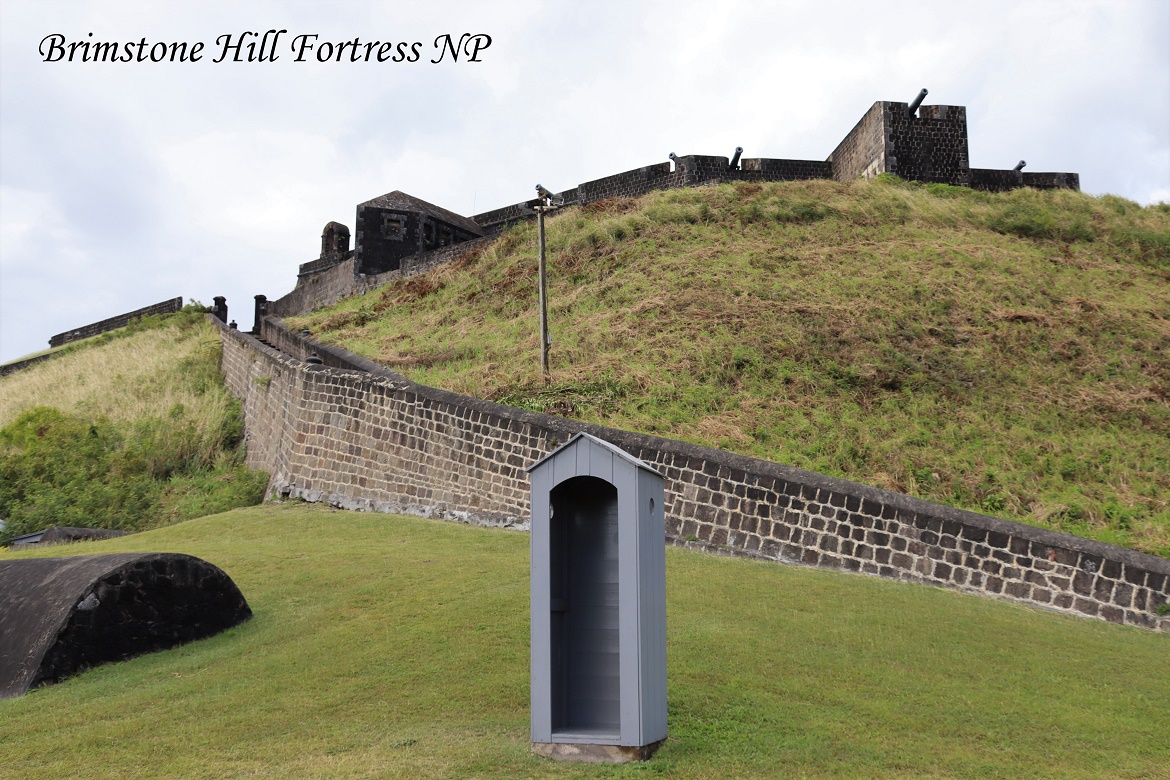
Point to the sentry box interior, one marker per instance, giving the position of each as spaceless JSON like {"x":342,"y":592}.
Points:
{"x":598,"y":602}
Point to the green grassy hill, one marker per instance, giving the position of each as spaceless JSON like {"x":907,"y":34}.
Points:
{"x":396,"y":647}
{"x":131,"y":429}
{"x":1004,"y":353}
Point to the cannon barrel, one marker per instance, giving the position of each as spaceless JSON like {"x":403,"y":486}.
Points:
{"x":918,"y":101}
{"x":1019,"y":166}
{"x":735,"y":159}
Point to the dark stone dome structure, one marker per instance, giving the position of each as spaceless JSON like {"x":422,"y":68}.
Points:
{"x":59,"y":616}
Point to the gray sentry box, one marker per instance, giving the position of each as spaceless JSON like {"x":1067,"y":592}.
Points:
{"x":598,"y":603}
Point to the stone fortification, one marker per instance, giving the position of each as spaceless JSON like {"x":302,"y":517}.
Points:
{"x":339,"y":281}
{"x":393,"y":227}
{"x":63,"y":615}
{"x":927,"y":144}
{"x":93,"y":329}
{"x":20,"y":365}
{"x":921,"y":143}
{"x":122,"y":320}
{"x":359,"y":436}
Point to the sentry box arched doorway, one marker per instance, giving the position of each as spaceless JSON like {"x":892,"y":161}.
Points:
{"x":598,"y":604}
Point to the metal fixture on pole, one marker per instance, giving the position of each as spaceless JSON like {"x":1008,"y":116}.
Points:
{"x":548,"y":202}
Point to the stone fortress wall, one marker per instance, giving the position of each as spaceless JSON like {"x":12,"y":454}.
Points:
{"x":358,"y":436}
{"x":93,"y":329}
{"x":20,"y":365}
{"x":340,"y":281}
{"x":915,"y":142}
{"x":122,"y":320}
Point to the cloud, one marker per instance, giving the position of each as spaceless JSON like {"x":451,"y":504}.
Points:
{"x":123,"y":185}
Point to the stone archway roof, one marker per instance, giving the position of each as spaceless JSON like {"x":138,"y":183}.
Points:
{"x":62,"y":615}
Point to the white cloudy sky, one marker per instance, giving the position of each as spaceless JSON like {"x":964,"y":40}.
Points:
{"x":125,"y":184}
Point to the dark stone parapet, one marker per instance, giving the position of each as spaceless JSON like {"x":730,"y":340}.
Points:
{"x":321,"y":264}
{"x":62,"y":615}
{"x":689,"y":171}
{"x":1052,"y":181}
{"x":497,"y":220}
{"x":784,"y":170}
{"x":122,"y":320}
{"x":20,"y":365}
{"x":927,"y":144}
{"x":994,"y":180}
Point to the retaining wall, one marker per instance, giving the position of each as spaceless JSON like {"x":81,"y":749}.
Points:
{"x":359,"y":436}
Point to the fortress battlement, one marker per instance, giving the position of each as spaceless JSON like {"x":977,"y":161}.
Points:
{"x":398,"y":233}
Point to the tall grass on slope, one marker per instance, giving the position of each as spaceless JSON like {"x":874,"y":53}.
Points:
{"x":393,"y":647}
{"x":1005,"y":353}
{"x":134,"y":430}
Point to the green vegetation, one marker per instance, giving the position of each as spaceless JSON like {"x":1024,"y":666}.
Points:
{"x":1004,"y":353}
{"x":132,"y":430}
{"x":393,"y":647}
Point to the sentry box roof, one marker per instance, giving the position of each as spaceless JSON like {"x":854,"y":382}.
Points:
{"x":598,"y":598}
{"x":613,"y":449}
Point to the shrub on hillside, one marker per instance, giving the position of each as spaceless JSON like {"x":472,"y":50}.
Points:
{"x":64,"y":469}
{"x":129,"y":430}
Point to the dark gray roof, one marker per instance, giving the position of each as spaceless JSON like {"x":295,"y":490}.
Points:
{"x":400,"y":201}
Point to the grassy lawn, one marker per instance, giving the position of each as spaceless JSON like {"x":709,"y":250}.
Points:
{"x":387,"y":646}
{"x":1004,"y":353}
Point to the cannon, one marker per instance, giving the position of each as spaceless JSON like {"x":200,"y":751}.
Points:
{"x":917,"y":101}
{"x":734,"y":165}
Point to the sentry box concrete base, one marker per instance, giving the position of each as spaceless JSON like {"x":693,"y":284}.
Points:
{"x":595,"y":754}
